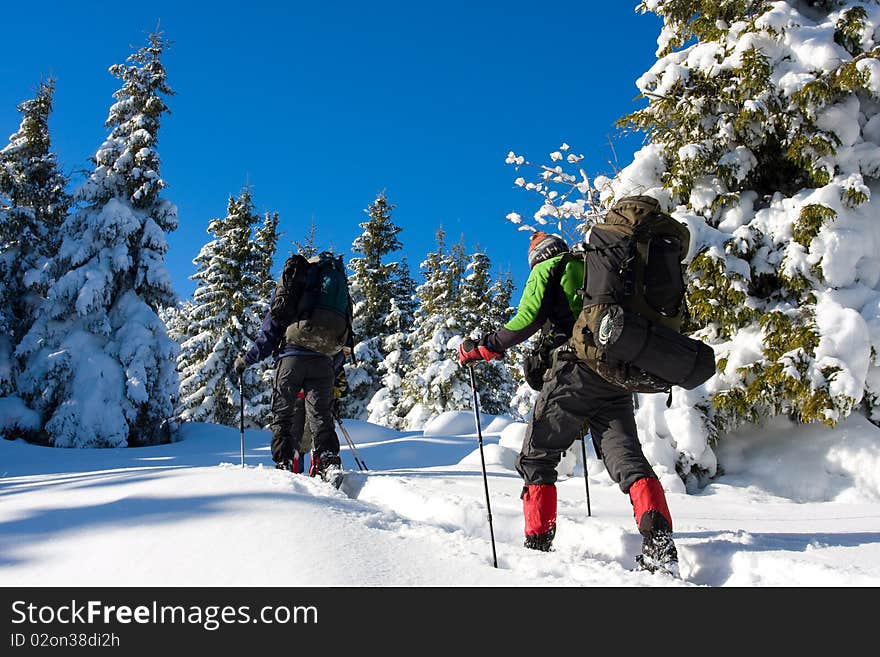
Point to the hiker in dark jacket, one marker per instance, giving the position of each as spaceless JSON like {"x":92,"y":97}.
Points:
{"x":298,"y":369}
{"x":573,"y":400}
{"x":290,"y":454}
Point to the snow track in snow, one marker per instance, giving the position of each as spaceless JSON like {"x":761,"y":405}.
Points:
{"x":591,"y":551}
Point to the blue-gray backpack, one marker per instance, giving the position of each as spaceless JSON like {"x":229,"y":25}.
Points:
{"x":629,"y":330}
{"x":313,"y":301}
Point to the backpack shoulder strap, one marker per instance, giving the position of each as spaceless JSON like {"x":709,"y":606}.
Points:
{"x":555,"y":302}
{"x":559,"y":267}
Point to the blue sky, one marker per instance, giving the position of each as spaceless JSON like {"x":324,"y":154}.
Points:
{"x":320,"y":106}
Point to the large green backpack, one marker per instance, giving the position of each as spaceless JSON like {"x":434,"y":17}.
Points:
{"x":634,"y":301}
{"x":312,"y":299}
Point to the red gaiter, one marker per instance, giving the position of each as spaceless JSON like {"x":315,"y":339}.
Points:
{"x":539,"y":508}
{"x":647,"y":495}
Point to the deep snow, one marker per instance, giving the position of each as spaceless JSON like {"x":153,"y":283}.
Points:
{"x":795,"y":506}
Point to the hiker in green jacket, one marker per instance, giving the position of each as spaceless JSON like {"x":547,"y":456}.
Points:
{"x":573,"y":400}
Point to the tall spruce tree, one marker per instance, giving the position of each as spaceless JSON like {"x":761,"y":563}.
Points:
{"x":370,"y":274}
{"x":764,"y":127}
{"x":260,"y":380}
{"x":226,"y":311}
{"x":373,"y":280}
{"x":484,"y":305}
{"x":385,"y":405}
{"x":33,"y":205}
{"x":403,"y":297}
{"x":435,"y":382}
{"x":100,"y":365}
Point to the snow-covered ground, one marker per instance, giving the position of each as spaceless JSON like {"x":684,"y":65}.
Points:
{"x":796,"y":506}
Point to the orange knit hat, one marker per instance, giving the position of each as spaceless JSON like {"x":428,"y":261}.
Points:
{"x":543,"y":246}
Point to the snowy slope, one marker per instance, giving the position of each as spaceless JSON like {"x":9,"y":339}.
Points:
{"x":796,"y":506}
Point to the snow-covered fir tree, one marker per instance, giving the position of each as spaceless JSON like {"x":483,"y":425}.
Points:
{"x":764,"y":127}
{"x":436,"y":382}
{"x":261,"y":377}
{"x":431,"y":317}
{"x":232,"y":293}
{"x":309,"y":246}
{"x":99,"y":363}
{"x":371,"y":276}
{"x":372,"y":282}
{"x":265,"y":245}
{"x":33,"y":205}
{"x":385,"y":406}
{"x":483,"y":307}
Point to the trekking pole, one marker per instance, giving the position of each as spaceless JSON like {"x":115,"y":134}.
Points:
{"x":586,"y":476}
{"x":241,"y":422}
{"x":469,"y":347}
{"x":357,"y":459}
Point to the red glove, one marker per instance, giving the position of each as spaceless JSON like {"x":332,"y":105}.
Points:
{"x":468,"y":352}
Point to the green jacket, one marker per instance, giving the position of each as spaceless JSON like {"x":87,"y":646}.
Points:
{"x":551,"y":293}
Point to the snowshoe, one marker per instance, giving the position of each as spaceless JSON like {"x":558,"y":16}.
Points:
{"x":333,"y":475}
{"x":542,"y":542}
{"x":658,"y":554}
{"x":327,"y":466}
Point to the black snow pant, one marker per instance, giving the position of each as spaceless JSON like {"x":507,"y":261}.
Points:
{"x":301,"y":430}
{"x":575,"y":399}
{"x":293,"y":416}
{"x":298,"y":438}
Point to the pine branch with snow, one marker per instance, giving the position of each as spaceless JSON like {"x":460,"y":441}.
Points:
{"x":569,"y":201}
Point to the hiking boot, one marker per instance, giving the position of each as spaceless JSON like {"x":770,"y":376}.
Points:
{"x":658,"y":554}
{"x":284,"y":465}
{"x":542,"y":542}
{"x":326,"y":465}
